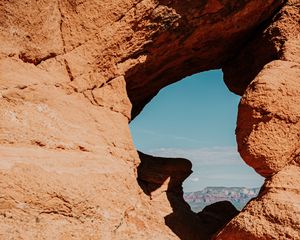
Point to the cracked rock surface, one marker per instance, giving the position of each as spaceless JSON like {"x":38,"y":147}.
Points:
{"x":74,"y":73}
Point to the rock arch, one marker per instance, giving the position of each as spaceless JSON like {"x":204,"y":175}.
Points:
{"x":68,"y":81}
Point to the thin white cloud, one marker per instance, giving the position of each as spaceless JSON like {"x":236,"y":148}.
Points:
{"x":202,"y":156}
{"x":194,"y":179}
{"x":153,"y":133}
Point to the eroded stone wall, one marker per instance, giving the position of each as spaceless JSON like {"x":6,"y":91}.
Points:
{"x":268,"y":127}
{"x":71,"y":72}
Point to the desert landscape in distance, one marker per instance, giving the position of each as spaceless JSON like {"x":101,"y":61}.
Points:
{"x":74,"y":74}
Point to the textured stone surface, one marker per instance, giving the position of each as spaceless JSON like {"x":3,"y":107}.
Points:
{"x":204,"y":36}
{"x":144,"y":40}
{"x":70,"y":73}
{"x":268,"y":128}
{"x":277,"y":40}
{"x":268,"y":131}
{"x":274,"y":214}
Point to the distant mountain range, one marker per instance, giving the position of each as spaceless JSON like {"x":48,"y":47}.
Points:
{"x":238,"y":196}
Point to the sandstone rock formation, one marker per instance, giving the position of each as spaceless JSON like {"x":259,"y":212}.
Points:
{"x":70,"y":72}
{"x":217,"y":215}
{"x":161,"y":179}
{"x":274,"y":214}
{"x":268,"y":128}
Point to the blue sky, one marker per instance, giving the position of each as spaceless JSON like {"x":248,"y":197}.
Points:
{"x":195,"y":118}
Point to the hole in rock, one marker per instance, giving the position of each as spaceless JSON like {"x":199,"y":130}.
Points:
{"x":194,"y":119}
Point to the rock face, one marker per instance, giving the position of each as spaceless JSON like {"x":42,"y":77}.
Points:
{"x":268,"y":129}
{"x":74,"y":73}
{"x":217,"y":215}
{"x":161,"y":179}
{"x":274,"y":214}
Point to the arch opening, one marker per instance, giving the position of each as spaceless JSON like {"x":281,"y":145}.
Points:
{"x":194,"y":120}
